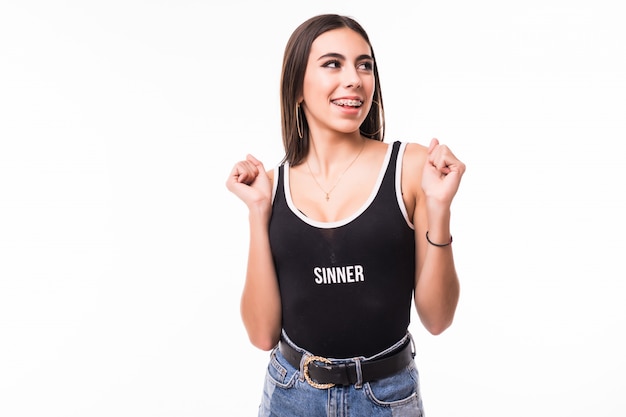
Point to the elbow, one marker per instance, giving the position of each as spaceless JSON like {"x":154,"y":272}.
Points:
{"x":266,"y":340}
{"x":263,"y":331}
{"x":436,"y":325}
{"x":437,"y":317}
{"x":265,"y":344}
{"x":437,"y":328}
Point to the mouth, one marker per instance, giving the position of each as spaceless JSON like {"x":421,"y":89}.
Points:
{"x":348,"y":103}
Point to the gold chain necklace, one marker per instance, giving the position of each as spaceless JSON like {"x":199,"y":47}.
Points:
{"x":340,"y":176}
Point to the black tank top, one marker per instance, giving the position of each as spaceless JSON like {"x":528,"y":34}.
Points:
{"x":346,"y":287}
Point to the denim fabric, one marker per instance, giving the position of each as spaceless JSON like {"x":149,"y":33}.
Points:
{"x":287,"y":394}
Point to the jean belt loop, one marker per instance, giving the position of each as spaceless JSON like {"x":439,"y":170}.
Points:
{"x":303,"y":360}
{"x":359,"y":374}
{"x":413,"y":350}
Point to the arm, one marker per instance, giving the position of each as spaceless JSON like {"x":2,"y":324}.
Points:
{"x":260,"y":300}
{"x":436,"y":283}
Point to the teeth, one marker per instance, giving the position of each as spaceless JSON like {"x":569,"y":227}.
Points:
{"x":351,"y":103}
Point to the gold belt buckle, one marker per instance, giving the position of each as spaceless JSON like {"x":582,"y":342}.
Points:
{"x":312,"y":383}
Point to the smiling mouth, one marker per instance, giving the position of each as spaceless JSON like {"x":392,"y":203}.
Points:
{"x":348,"y":103}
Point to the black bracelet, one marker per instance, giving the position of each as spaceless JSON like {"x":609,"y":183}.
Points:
{"x":438,"y":244}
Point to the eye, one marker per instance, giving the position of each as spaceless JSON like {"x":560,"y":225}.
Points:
{"x":333,"y":63}
{"x":366,"y":66}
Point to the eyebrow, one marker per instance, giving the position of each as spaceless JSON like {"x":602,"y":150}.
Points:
{"x":339,"y":56}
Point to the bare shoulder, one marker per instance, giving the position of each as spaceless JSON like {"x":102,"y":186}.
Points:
{"x":412,"y":167}
{"x":415,"y":153}
{"x":413,"y":161}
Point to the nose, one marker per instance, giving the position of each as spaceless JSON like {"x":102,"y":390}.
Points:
{"x":351,"y":78}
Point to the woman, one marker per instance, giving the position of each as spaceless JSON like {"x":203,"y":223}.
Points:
{"x":344,"y":235}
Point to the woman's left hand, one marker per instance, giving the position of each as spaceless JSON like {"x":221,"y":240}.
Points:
{"x":442,"y":173}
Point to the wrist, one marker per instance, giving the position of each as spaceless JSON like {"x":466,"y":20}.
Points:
{"x":438,"y":241}
{"x":435,"y":205}
{"x":260,"y":213}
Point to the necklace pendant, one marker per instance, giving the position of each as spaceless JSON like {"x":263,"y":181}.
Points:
{"x":338,"y":178}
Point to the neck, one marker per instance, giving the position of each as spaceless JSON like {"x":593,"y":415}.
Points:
{"x":327,"y":159}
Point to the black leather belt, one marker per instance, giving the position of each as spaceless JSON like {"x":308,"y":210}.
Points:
{"x":321,"y":373}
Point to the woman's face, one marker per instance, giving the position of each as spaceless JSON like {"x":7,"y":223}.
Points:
{"x":338,"y":82}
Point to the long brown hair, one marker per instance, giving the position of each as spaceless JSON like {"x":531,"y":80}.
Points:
{"x":292,"y":79}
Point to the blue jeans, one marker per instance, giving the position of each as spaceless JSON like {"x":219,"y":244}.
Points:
{"x":286,"y":393}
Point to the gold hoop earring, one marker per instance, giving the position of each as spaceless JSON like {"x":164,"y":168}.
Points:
{"x":381,"y":116}
{"x":298,"y":123}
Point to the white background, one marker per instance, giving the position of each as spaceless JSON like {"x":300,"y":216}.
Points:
{"x":122,"y":254}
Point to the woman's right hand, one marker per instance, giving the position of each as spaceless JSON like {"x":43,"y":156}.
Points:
{"x":249,"y":181}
